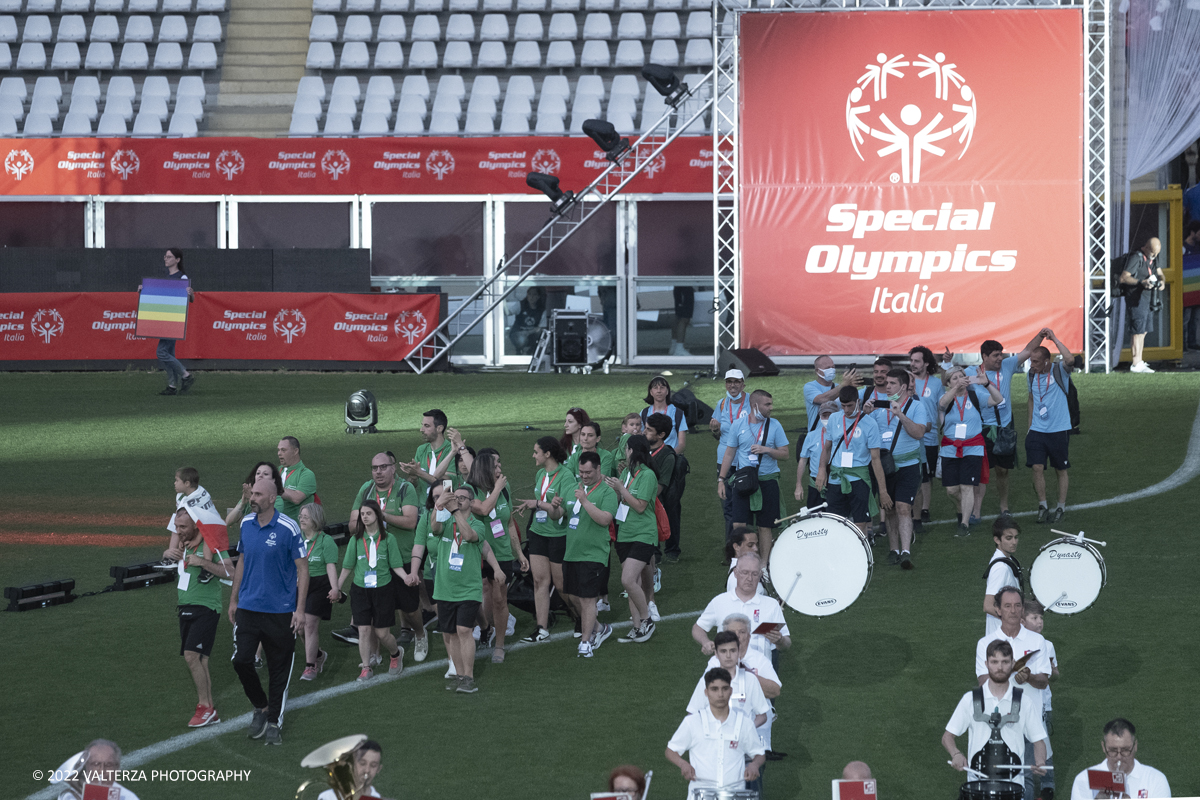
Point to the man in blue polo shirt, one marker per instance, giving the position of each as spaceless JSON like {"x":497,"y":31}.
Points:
{"x":852,"y":443}
{"x":267,"y":606}
{"x":1049,"y":423}
{"x":755,"y":440}
{"x":926,"y":387}
{"x":730,"y":408}
{"x":902,"y":422}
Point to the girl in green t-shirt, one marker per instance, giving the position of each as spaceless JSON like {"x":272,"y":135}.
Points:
{"x":371,"y":557}
{"x":322,"y":575}
{"x":553,"y":486}
{"x":637,"y":533}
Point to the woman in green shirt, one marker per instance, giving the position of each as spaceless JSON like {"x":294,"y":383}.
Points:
{"x":322,"y":575}
{"x":372,"y":555}
{"x":637,"y":534}
{"x":493,"y":507}
{"x":553,"y":486}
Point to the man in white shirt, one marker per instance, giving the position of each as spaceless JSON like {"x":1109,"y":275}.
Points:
{"x":744,"y":599}
{"x":747,"y":693}
{"x":718,"y":740}
{"x":997,"y":694}
{"x":1120,"y":755}
{"x":752,"y":661}
{"x":368,"y":760}
{"x":101,"y":763}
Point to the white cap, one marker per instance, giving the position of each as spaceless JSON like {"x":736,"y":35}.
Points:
{"x":735,"y":374}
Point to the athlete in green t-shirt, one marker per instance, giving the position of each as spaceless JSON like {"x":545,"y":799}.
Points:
{"x":299,"y":482}
{"x":589,"y":437}
{"x":435,"y":457}
{"x":584,"y":567}
{"x":322,"y":577}
{"x":458,"y":587}
{"x":372,"y":555}
{"x":553,"y":486}
{"x":637,"y":534}
{"x":199,"y":608}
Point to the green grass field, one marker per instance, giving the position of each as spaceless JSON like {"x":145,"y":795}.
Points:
{"x":95,"y":454}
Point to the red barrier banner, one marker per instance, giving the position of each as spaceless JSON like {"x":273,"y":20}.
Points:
{"x":926,"y":186}
{"x":221,"y":325}
{"x":217,"y":166}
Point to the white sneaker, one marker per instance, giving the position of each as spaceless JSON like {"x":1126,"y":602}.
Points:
{"x":602,"y":605}
{"x":1143,"y":368}
{"x":450,"y":673}
{"x":420,"y":648}
{"x":657,"y":579}
{"x":677,"y":349}
{"x":475,"y":633}
{"x":512,"y":626}
{"x":375,"y":660}
{"x":654,"y":615}
{"x":585,"y":650}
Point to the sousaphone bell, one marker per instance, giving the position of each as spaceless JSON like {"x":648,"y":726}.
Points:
{"x":337,"y":759}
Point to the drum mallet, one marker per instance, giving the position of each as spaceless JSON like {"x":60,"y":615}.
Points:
{"x":1078,"y":537}
{"x":804,"y":512}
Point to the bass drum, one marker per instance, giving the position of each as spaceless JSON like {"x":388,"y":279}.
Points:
{"x":821,"y":564}
{"x":1067,"y":576}
{"x":991,"y":790}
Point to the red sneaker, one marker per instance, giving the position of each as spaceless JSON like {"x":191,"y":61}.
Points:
{"x":205,"y":715}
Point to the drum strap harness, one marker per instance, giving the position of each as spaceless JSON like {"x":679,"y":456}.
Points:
{"x":1014,"y":712}
{"x":1012,"y":564}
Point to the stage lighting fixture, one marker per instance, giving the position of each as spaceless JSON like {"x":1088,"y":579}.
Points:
{"x":606,"y":138}
{"x":666,"y":82}
{"x":548,"y":185}
{"x":137,"y":576}
{"x":40,"y":595}
{"x":362,"y":413}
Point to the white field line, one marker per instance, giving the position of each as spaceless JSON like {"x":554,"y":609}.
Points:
{"x":147,"y":754}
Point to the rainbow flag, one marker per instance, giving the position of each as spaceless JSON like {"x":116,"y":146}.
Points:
{"x":162,"y":309}
{"x":1191,"y":280}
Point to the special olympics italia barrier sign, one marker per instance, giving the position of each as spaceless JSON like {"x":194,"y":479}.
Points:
{"x":924,"y":186}
{"x":217,"y":166}
{"x":222,"y":325}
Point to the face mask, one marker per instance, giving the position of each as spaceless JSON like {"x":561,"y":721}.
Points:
{"x":731,"y":395}
{"x":829,"y":374}
{"x":894,"y":397}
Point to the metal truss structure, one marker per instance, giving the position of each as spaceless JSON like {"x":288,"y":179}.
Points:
{"x":726,"y":196}
{"x":521,"y":264}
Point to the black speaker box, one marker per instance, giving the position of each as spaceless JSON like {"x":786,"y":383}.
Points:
{"x":753,"y":363}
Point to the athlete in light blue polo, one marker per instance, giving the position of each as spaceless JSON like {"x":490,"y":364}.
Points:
{"x":852,"y":443}
{"x":926,"y":387}
{"x":1050,"y":424}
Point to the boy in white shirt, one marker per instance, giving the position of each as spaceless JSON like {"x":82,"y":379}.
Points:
{"x":718,"y":741}
{"x":1035,"y":621}
{"x":1003,"y":570}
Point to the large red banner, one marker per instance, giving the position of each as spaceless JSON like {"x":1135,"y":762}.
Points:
{"x":924,"y":187}
{"x":216,"y":166}
{"x":221,"y":325}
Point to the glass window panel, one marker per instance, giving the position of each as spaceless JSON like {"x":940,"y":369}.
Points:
{"x":591,"y":249}
{"x":675,"y":237}
{"x":674,"y":318}
{"x":284,"y":225}
{"x":42,"y":224}
{"x":427,"y":239}
{"x":184,"y":225}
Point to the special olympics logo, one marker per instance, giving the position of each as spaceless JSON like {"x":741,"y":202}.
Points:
{"x":125,"y":163}
{"x":656,"y":165}
{"x":336,"y":163}
{"x":546,"y":161}
{"x":440,"y":163}
{"x":411,"y":325}
{"x":47,"y":322}
{"x":18,"y":163}
{"x":289,"y":324}
{"x":920,"y":115}
{"x":230,"y":163}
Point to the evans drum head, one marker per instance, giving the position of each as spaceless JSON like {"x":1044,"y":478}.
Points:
{"x":1067,"y":576}
{"x":820,"y":564}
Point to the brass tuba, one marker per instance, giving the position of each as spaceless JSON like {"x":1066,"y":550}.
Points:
{"x":72,"y":769}
{"x":337,"y":759}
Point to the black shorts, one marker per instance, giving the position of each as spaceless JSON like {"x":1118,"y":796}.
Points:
{"x":685,"y":302}
{"x":814,"y":498}
{"x":551,"y":547}
{"x":453,"y":615}
{"x":638,"y":551}
{"x":429,"y":589}
{"x":374,"y":607}
{"x":854,"y":505}
{"x":1140,"y":318}
{"x":929,"y":465}
{"x":585,"y":578}
{"x":1040,"y":447}
{"x":197,"y":629}
{"x":408,"y":598}
{"x":509,"y":568}
{"x":770,"y":505}
{"x":902,"y":485}
{"x":317,"y":602}
{"x":965,"y":471}
{"x":999,"y":462}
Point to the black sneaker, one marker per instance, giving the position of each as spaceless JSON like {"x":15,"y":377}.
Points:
{"x":893,"y":557}
{"x":272,"y":735}
{"x":1059,"y":513}
{"x":963,"y":532}
{"x":405,"y":637}
{"x":925,"y":515}
{"x":918,"y":527}
{"x":537,"y":637}
{"x":348,"y":634}
{"x":188,"y":380}
{"x":258,"y":724}
{"x":906,"y":561}
{"x":1043,"y":514}
{"x":169,"y":390}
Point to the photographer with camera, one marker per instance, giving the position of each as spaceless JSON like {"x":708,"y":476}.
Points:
{"x":1142,"y":274}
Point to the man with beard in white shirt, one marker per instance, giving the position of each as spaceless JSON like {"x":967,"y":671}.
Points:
{"x":719,"y":740}
{"x":1034,"y":677}
{"x":1120,"y":755}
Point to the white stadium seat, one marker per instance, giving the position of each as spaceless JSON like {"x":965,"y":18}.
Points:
{"x":664,"y":52}
{"x":75,"y":6}
{"x":486,"y":86}
{"x":630,"y":54}
{"x":374,"y":124}
{"x":346,"y":86}
{"x":8,"y":29}
{"x":99,"y":56}
{"x":411,"y":104}
{"x":38,"y":125}
{"x":392,"y":28}
{"x":622,"y":121}
{"x":173,"y":29}
{"x":182,"y":125}
{"x":514,"y":123}
{"x":427,"y":6}
{"x":190,"y":105}
{"x":32,"y":55}
{"x":104,"y":29}
{"x":457,"y":56}
{"x":65,"y":56}
{"x":562,"y":26}
{"x":599,"y":5}
{"x":666,"y":26}
{"x":177,"y":6}
{"x":326,"y":6}
{"x":556,"y":86}
{"x":699,"y":53}
{"x":121,"y":86}
{"x":631,"y":26}
{"x":37,"y":29}
{"x":481,"y":104}
{"x":48,"y":86}
{"x":549,"y":123}
{"x":389,"y":55}
{"x":497,"y":5}
{"x":40,"y":6}
{"x":360,"y":6}
{"x":480,"y":123}
{"x":82,"y":86}
{"x":492,"y":55}
{"x":381,"y":86}
{"x":139,"y":29}
{"x":212,"y":6}
{"x":443,"y":124}
{"x":675,"y":5}
{"x":417,"y":85}
{"x":461,"y":27}
{"x":208,"y":29}
{"x":634,"y":5}
{"x":426,"y":28}
{"x":595,"y":54}
{"x":12,"y":106}
{"x":306,"y":104}
{"x":597,"y":26}
{"x":623,"y":103}
{"x":517,"y":105}
{"x":320,"y":56}
{"x":531,"y":5}
{"x":529,"y":27}
{"x":147,"y":125}
{"x":564,"y":5}
{"x":109,"y":6}
{"x":452,"y":86}
{"x":323,"y":29}
{"x":590,"y":85}
{"x":393,"y":6}
{"x":5,"y":56}
{"x":168,"y":55}
{"x":119,"y":107}
{"x":76,"y":125}
{"x":202,"y":56}
{"x":408,"y":123}
{"x":357,"y":29}
{"x":355,"y":56}
{"x":111,"y":125}
{"x":154,"y":105}
{"x":469,"y":6}
{"x":8,"y":125}
{"x":699,"y":25}
{"x":189,"y":86}
{"x":526,"y":54}
{"x":423,"y":55}
{"x":142,"y":6}
{"x":304,"y":125}
{"x":445,"y":104}
{"x":551,"y":104}
{"x":338,"y":125}
{"x":44,"y":104}
{"x":84,"y":107}
{"x":309,"y":85}
{"x":377,"y":104}
{"x":560,"y":54}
